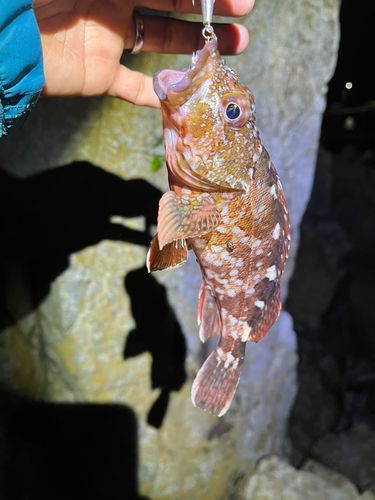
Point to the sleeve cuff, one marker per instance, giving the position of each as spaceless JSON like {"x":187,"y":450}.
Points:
{"x":21,"y":62}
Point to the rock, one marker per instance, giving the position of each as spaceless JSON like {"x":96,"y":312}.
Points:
{"x":324,"y":245}
{"x":70,"y":347}
{"x":275,"y":479}
{"x":330,"y":299}
{"x":351,"y":453}
{"x":316,"y":410}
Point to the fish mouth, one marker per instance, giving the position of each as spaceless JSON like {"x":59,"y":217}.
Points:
{"x":174,"y":85}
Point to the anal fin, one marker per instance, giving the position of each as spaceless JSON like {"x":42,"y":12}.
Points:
{"x":208,"y":314}
{"x":181,"y":219}
{"x":172,"y":255}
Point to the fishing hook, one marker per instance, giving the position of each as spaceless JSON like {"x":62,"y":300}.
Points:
{"x":207,"y":13}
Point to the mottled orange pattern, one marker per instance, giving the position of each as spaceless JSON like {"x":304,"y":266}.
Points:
{"x":226,"y":203}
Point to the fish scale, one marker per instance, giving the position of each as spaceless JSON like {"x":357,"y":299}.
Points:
{"x":226,"y":203}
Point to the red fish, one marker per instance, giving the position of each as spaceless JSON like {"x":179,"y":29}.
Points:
{"x":226,"y":203}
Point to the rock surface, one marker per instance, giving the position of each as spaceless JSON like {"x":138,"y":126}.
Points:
{"x":351,"y":453}
{"x":275,"y":479}
{"x":330,"y":298}
{"x":70,"y":347}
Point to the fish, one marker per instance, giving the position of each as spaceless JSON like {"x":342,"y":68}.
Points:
{"x":226,"y":203}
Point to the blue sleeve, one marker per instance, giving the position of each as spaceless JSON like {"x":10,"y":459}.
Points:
{"x":21,"y":61}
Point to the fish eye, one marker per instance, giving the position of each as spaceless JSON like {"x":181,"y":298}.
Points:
{"x":235,"y":109}
{"x":232,"y":111}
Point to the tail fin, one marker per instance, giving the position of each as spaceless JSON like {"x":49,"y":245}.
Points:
{"x":216,"y":382}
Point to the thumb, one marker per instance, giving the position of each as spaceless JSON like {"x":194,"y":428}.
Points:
{"x":134,"y":87}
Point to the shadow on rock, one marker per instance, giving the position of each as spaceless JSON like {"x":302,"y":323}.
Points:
{"x":45,"y":218}
{"x":159,"y":333}
{"x":60,"y":451}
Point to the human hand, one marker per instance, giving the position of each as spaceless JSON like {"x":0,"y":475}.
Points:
{"x":83,"y":41}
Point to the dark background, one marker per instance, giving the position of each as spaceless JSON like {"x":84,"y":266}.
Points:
{"x":332,"y":293}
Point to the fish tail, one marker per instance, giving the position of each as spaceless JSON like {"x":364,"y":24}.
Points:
{"x":216,"y":382}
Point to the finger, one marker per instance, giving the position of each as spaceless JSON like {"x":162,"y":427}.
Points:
{"x":171,"y":36}
{"x":39,"y":3}
{"x":232,"y":8}
{"x":134,"y":87}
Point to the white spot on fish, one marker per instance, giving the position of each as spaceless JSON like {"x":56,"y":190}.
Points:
{"x":229,"y":360}
{"x":216,"y":248}
{"x":259,"y":303}
{"x":219,"y":351}
{"x":238,"y":282}
{"x":209,"y":257}
{"x":233,"y":273}
{"x":276,"y":232}
{"x":271,"y":273}
{"x":246,"y":332}
{"x":256,"y":278}
{"x":220,"y":280}
{"x":231,"y":293}
{"x":250,"y":291}
{"x":221,"y":229}
{"x":232,"y":320}
{"x":273,"y":192}
{"x":256,"y":244}
{"x":259,"y":252}
{"x":244,"y":240}
{"x":258,"y":264}
{"x":237,"y":230}
{"x":225,"y":255}
{"x":225,"y":210}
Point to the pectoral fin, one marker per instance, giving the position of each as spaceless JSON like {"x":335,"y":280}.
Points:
{"x":172,"y":255}
{"x":179,"y":220}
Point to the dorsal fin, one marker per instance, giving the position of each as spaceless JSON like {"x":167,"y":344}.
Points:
{"x":263,"y":312}
{"x":260,"y":328}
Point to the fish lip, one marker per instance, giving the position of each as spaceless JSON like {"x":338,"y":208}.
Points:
{"x":165,"y":78}
{"x":170,"y":82}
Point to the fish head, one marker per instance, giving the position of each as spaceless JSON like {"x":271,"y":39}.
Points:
{"x":209,"y":124}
